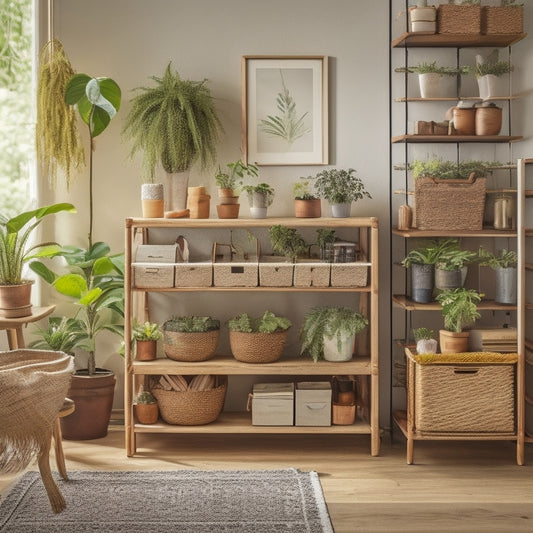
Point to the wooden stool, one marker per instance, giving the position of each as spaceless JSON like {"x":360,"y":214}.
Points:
{"x":67,"y":409}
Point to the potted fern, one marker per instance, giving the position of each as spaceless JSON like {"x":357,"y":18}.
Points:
{"x":174,"y":123}
{"x":504,"y":266}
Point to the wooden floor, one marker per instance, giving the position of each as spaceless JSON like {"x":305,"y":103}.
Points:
{"x":453,"y":486}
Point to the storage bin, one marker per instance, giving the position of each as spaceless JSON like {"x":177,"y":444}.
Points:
{"x":458,"y":19}
{"x":275,"y":272}
{"x":234,"y":273}
{"x":502,"y":20}
{"x":153,"y":275}
{"x":349,"y":274}
{"x":194,"y":274}
{"x":312,"y":403}
{"x":311,"y":274}
{"x":156,"y":253}
{"x":273,"y":404}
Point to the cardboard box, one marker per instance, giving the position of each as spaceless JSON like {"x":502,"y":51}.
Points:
{"x":313,"y":403}
{"x":273,"y":404}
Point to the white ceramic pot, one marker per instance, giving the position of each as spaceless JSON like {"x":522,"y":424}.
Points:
{"x":430,"y":85}
{"x":332,"y":352}
{"x":426,"y":346}
{"x":341,"y":210}
{"x":488,"y":86}
{"x":258,"y":212}
{"x":153,"y":200}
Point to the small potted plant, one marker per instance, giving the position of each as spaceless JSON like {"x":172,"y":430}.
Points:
{"x":340,"y":188}
{"x":329,"y":333}
{"x":258,"y":339}
{"x":146,"y":336}
{"x":191,"y":338}
{"x":260,"y":197}
{"x":459,"y":309}
{"x":306,"y":204}
{"x":425,"y":340}
{"x":452,"y":267}
{"x":145,"y":407}
{"x":287,"y":242}
{"x":487,"y":71}
{"x":504,"y":266}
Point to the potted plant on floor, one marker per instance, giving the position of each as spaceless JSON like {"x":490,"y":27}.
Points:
{"x":15,"y":252}
{"x":260,"y":197}
{"x":329,"y":333}
{"x":340,"y":188}
{"x":174,"y":123}
{"x":306,"y":204}
{"x":504,"y":266}
{"x":229,"y":183}
{"x":459,"y":309}
{"x":258,"y":339}
{"x":145,"y":407}
{"x":146,"y":336}
{"x":425,"y":340}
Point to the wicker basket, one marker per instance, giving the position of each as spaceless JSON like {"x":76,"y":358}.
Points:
{"x":275,"y":272}
{"x":458,"y":19}
{"x":349,"y":274}
{"x":192,"y":407}
{"x":502,"y":20}
{"x":311,"y":274}
{"x":449,"y":204}
{"x":199,"y":346}
{"x":257,"y":347}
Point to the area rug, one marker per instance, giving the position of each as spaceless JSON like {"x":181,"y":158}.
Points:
{"x":254,"y":501}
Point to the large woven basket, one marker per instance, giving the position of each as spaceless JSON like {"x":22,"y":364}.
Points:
{"x":502,"y":20}
{"x":458,"y":19}
{"x":257,"y":347}
{"x":449,"y":204}
{"x":181,"y":346}
{"x":192,"y":407}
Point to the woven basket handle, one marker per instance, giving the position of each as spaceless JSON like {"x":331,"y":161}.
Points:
{"x":470,"y":179}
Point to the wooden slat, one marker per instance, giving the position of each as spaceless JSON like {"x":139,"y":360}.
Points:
{"x":451,"y":40}
{"x":411,"y":138}
{"x":410,"y":305}
{"x":486,"y":232}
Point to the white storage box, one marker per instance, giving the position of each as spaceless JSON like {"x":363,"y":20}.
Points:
{"x":275,"y":272}
{"x":273,"y":404}
{"x":313,"y":403}
{"x":153,"y":275}
{"x":311,"y":274}
{"x":194,"y":274}
{"x":349,"y":274}
{"x":156,"y":253}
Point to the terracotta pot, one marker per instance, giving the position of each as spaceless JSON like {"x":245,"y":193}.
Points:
{"x":307,"y":208}
{"x":146,"y":413}
{"x":228,"y":210}
{"x":145,"y":350}
{"x":15,"y":300}
{"x":451,"y":342}
{"x":464,"y":120}
{"x":488,"y":120}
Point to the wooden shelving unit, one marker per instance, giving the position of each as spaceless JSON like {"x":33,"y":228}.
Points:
{"x":365,"y":365}
{"x":411,"y":138}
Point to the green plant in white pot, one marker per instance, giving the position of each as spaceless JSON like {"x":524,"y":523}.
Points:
{"x":425,"y":340}
{"x":488,"y":70}
{"x":504,"y":265}
{"x":260,"y":198}
{"x":340,"y":187}
{"x":329,"y":332}
{"x":173,"y":123}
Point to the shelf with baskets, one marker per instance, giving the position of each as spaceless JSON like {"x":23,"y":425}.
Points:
{"x":364,"y":366}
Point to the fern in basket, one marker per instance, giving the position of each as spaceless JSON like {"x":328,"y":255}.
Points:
{"x":268,"y":323}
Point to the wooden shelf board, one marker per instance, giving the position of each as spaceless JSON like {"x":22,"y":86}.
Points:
{"x":410,"y":138}
{"x":230,"y":366}
{"x":486,"y":232}
{"x":528,"y":344}
{"x":452,"y":40}
{"x":410,"y":305}
{"x":242,"y":423}
{"x":453,"y":98}
{"x":249,"y":289}
{"x":528,"y":232}
{"x":529,"y":266}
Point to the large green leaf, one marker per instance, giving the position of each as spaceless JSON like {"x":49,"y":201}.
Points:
{"x":72,"y":285}
{"x":17,"y":223}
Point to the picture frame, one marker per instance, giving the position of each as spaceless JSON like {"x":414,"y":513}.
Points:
{"x":285,"y":110}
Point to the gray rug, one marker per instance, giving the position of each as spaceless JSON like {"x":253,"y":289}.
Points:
{"x":254,"y":501}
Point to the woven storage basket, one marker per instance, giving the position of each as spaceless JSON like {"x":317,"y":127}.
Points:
{"x":274,"y":272}
{"x":153,"y":275}
{"x":192,"y":407}
{"x":449,"y":204}
{"x":257,"y":347}
{"x":193,"y":274}
{"x":349,"y":274}
{"x":502,"y":20}
{"x":182,"y":346}
{"x":311,"y":274}
{"x":458,"y":19}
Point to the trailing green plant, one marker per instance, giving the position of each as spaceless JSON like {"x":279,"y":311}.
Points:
{"x":302,"y":190}
{"x":287,"y":241}
{"x":339,"y":186}
{"x":14,"y":235}
{"x":459,"y":308}
{"x":268,"y":323}
{"x":173,"y":123}
{"x":329,"y":322}
{"x":61,"y":334}
{"x":441,"y":169}
{"x":430,"y":253}
{"x":191,"y":324}
{"x":148,"y":331}
{"x":432,"y":68}
{"x":503,"y":259}
{"x":233,"y":178}
{"x":423,"y":334}
{"x":145,"y":397}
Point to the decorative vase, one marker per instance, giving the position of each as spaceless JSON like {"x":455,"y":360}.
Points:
{"x":153,"y":200}
{"x":333,"y":353}
{"x":341,"y":210}
{"x":505,"y":285}
{"x":451,"y":342}
{"x":198,"y":202}
{"x":15,"y":300}
{"x":423,"y":19}
{"x":422,"y":283}
{"x":307,"y":208}
{"x":464,"y":120}
{"x":176,"y":187}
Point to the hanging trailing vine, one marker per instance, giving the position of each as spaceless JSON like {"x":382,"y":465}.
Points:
{"x":58,"y":143}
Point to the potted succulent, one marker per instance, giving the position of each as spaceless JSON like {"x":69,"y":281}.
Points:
{"x":306,"y":204}
{"x":425,"y":340}
{"x":258,"y":339}
{"x":15,"y":252}
{"x":329,"y":332}
{"x":191,"y":338}
{"x":504,"y":266}
{"x":146,"y":336}
{"x":174,"y":123}
{"x":145,"y":407}
{"x":340,"y":188}
{"x":260,"y":197}
{"x":459,"y":309}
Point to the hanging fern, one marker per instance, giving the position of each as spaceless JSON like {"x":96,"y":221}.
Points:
{"x":57,"y":139}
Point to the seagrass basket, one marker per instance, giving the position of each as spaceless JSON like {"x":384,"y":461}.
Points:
{"x":257,"y":347}
{"x":181,"y":346}
{"x":502,"y":20}
{"x":192,"y":407}
{"x":458,"y":19}
{"x":449,"y":204}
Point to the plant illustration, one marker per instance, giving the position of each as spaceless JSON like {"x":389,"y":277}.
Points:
{"x":287,"y":125}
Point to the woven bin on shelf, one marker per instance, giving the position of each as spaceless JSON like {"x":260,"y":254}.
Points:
{"x":465,"y":392}
{"x":182,"y":346}
{"x":193,"y":274}
{"x":311,"y":274}
{"x":275,"y":272}
{"x":458,"y":19}
{"x":257,"y":347}
{"x":502,"y":20}
{"x":449,"y":204}
{"x":349,"y":274}
{"x":192,"y":407}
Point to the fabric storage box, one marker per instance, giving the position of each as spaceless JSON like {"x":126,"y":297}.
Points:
{"x":458,"y":19}
{"x":273,"y":404}
{"x":193,"y":274}
{"x":275,"y":272}
{"x":349,"y":274}
{"x":227,"y":273}
{"x":153,"y":275}
{"x":312,"y":403}
{"x":311,"y":274}
{"x":470,"y":392}
{"x":502,"y":20}
{"x":156,"y":253}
